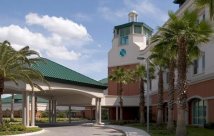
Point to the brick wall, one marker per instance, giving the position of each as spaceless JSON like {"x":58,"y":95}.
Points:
{"x":129,"y":90}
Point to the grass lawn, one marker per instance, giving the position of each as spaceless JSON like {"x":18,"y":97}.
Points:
{"x":162,"y":131}
{"x":45,"y":120}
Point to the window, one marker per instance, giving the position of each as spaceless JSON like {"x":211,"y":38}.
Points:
{"x":203,"y":62}
{"x":137,"y":29}
{"x":167,"y":77}
{"x":124,"y":38}
{"x":195,"y":67}
{"x":203,"y":17}
{"x":199,"y":108}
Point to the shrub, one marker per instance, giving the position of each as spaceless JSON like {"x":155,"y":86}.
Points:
{"x":123,"y":122}
{"x":44,"y":114}
{"x":12,"y":127}
{"x":209,"y":125}
{"x":61,"y":114}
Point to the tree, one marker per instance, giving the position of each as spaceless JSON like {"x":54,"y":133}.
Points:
{"x":180,"y":2}
{"x":168,"y":52}
{"x":121,"y":77}
{"x":185,"y":32}
{"x":160,"y":60}
{"x":12,"y":108}
{"x":139,"y":74}
{"x":15,"y":66}
{"x":203,"y":3}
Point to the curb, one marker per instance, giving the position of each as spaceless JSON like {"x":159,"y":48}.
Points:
{"x":131,"y":132}
{"x":29,"y":134}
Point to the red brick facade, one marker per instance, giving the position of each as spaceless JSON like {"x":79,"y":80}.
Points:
{"x":129,"y":90}
{"x":202,"y":90}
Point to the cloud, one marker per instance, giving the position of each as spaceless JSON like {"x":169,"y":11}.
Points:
{"x":65,"y":38}
{"x":20,"y":37}
{"x":112,"y":15}
{"x":147,"y":9}
{"x":83,"y":17}
{"x":59,"y":26}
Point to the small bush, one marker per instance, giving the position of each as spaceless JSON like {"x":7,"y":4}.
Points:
{"x":123,"y":122}
{"x":209,"y":125}
{"x":12,"y":127}
{"x":61,"y":114}
{"x":44,"y":114}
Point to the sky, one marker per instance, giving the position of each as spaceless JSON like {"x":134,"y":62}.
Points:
{"x":75,"y":33}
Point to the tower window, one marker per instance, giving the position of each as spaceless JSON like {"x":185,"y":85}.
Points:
{"x":137,"y":29}
{"x":124,"y":38}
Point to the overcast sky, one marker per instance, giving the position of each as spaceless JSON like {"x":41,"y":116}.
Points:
{"x":75,"y":33}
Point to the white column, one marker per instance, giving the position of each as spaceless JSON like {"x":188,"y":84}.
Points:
{"x":54,"y":111}
{"x":33,"y":109}
{"x":116,"y":113}
{"x":24,"y":108}
{"x":27,"y":110}
{"x":91,"y":110}
{"x":99,"y":111}
{"x":49,"y":110}
{"x":96,"y":112}
{"x":69,"y":113}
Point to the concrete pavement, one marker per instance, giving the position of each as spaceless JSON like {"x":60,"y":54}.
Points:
{"x":88,"y":129}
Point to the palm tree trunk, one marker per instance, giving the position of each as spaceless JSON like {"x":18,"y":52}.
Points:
{"x":12,"y":108}
{"x":181,"y":88}
{"x":160,"y":98}
{"x":36,"y":106}
{"x":171,"y":83}
{"x":1,"y":92}
{"x":121,"y":102}
{"x":142,"y":102}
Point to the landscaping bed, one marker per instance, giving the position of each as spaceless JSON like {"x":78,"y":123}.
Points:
{"x":162,"y":131}
{"x":11,"y":129}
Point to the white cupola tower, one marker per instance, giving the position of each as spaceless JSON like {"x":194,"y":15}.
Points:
{"x":133,"y":16}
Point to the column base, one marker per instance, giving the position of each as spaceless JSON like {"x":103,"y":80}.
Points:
{"x":32,"y":126}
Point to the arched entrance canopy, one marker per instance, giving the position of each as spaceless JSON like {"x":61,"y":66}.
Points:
{"x":67,"y":87}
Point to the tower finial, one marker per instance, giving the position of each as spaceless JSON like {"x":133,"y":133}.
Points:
{"x":133,"y":16}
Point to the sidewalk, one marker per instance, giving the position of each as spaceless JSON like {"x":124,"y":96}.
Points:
{"x":129,"y":131}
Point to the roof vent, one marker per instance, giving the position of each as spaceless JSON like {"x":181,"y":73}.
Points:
{"x":133,"y":16}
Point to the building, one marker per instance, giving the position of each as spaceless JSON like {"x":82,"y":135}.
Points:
{"x":129,"y":41}
{"x":41,"y":106}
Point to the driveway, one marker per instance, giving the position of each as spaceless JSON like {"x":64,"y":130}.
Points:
{"x":78,"y":129}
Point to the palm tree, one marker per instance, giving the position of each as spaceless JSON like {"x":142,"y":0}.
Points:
{"x":16,"y":66}
{"x":12,"y":108}
{"x":139,"y":74}
{"x":160,"y":60}
{"x":185,"y":32}
{"x":168,"y":52}
{"x":202,"y":3}
{"x":121,"y":77}
{"x":180,"y":2}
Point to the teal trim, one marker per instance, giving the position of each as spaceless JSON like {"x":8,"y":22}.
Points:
{"x":18,"y":99}
{"x":134,"y":23}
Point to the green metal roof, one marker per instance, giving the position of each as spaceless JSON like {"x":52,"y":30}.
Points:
{"x":18,"y":99}
{"x":104,"y":81}
{"x":53,"y":71}
{"x":134,"y":23}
